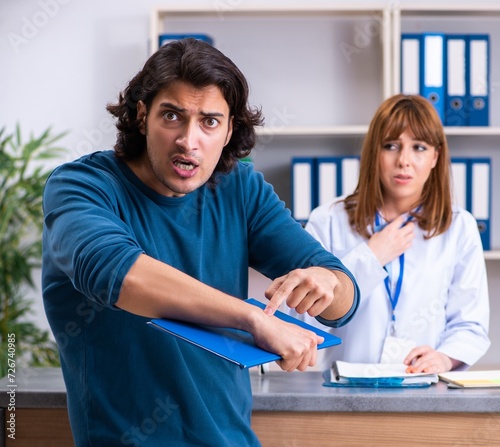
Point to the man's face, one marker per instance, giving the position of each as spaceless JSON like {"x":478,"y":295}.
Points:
{"x":186,"y":130}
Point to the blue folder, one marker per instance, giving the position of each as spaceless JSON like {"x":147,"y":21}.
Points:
{"x":163,"y":39}
{"x":432,"y":66}
{"x":234,"y":345}
{"x":480,"y":197}
{"x":479,"y":80}
{"x":336,"y":176}
{"x":423,"y":68}
{"x":303,"y":183}
{"x":471,"y":184}
{"x":456,"y":80}
{"x":328,"y":179}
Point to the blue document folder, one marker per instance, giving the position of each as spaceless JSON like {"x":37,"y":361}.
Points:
{"x":432,"y":64}
{"x":303,"y":188}
{"x":163,"y":39}
{"x":234,"y":345}
{"x":479,"y":80}
{"x":480,"y":197}
{"x":456,"y":80}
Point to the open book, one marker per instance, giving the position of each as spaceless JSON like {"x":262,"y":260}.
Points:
{"x":375,"y":375}
{"x":234,"y":345}
{"x":471,"y":379}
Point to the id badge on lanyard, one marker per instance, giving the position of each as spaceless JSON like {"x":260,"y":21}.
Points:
{"x":393,"y":294}
{"x":395,"y":349}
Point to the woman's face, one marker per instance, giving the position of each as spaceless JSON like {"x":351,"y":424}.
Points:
{"x":405,"y":166}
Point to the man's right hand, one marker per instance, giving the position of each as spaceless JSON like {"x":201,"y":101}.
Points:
{"x":297,"y":346}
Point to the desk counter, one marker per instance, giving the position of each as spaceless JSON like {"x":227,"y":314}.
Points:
{"x":295,"y":409}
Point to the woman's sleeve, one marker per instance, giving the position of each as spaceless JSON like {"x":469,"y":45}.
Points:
{"x":467,"y":309}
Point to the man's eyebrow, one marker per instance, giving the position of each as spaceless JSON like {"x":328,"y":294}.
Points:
{"x":212,"y":114}
{"x":169,"y":105}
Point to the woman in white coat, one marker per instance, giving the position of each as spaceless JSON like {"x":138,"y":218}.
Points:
{"x":417,"y":258}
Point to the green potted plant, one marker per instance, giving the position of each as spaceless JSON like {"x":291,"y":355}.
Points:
{"x":23,"y":172}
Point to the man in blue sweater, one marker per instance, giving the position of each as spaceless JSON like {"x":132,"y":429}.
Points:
{"x":166,"y":226}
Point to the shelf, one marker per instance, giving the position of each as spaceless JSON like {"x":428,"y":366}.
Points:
{"x":334,"y":131}
{"x":268,"y":8}
{"x":362,"y":129}
{"x":346,"y":85}
{"x":472,"y":131}
{"x":447,"y":9}
{"x":492,"y":255}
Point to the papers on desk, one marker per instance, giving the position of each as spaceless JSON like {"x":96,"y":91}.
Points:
{"x":472,"y":379}
{"x":375,"y":375}
{"x":234,"y":345}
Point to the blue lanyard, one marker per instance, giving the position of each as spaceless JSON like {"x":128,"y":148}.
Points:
{"x":393,"y":298}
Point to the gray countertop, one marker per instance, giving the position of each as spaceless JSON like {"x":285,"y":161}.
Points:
{"x":280,"y":391}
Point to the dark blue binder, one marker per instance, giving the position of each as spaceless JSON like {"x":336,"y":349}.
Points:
{"x":234,"y":345}
{"x":472,"y":191}
{"x":457,"y":50}
{"x":479,"y":80}
{"x":480,"y":197}
{"x":328,"y":179}
{"x":336,"y":176}
{"x":432,"y":75}
{"x":304,"y":191}
{"x":163,"y":39}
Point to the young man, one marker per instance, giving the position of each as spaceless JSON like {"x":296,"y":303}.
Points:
{"x":167,"y":226}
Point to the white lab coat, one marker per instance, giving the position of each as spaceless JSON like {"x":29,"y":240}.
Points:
{"x":444,"y":296}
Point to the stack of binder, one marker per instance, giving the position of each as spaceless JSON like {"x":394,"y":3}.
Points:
{"x":471,"y":180}
{"x":452,"y":71}
{"x":319,"y":180}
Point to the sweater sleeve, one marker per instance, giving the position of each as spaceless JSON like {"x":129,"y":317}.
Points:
{"x":278,"y":244}
{"x":84,"y":237}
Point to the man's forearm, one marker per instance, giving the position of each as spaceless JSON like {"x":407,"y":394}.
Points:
{"x":156,"y":290}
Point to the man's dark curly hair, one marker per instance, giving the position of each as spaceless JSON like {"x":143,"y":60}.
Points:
{"x":201,"y":65}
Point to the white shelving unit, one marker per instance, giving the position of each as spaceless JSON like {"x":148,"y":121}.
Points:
{"x":468,"y":12}
{"x":320,"y":119}
{"x":377,"y":27}
{"x":475,"y":17}
{"x":366,"y":28}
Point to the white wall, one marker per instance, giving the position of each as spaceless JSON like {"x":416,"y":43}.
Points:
{"x":62,"y":61}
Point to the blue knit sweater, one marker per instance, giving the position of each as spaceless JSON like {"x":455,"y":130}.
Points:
{"x":128,"y":384}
